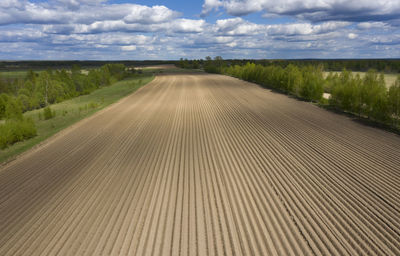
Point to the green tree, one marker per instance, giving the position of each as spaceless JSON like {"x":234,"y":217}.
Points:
{"x":294,"y":79}
{"x":3,"y":104}
{"x":76,"y":69}
{"x":31,"y":76}
{"x":373,"y":90}
{"x":13,"y":109}
{"x":25,"y":102}
{"x":3,"y":87}
{"x":42,"y":86}
{"x":394,"y":101}
{"x":313,"y":84}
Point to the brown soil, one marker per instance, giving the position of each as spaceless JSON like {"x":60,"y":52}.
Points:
{"x":206,"y":165}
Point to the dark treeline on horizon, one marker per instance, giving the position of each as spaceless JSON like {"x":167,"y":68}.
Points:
{"x":381,"y":65}
{"x":67,"y":64}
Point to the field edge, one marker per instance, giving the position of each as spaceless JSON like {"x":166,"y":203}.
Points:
{"x":27,"y":146}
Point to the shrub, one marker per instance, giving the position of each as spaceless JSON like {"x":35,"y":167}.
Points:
{"x":3,"y":104}
{"x":394,"y":101}
{"x":93,"y":105}
{"x":13,"y":109}
{"x":48,"y":113}
{"x":13,"y":131}
{"x":25,"y":102}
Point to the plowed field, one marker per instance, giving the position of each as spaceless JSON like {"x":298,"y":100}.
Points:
{"x":197,"y":164}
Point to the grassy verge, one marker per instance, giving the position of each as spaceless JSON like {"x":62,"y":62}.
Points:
{"x":13,"y":74}
{"x":71,"y":111}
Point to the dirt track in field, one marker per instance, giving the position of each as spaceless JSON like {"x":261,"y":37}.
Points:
{"x":206,"y":165}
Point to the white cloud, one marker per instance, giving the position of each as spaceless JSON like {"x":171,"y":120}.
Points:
{"x":12,"y":12}
{"x":128,"y":47}
{"x":237,"y":26}
{"x":187,"y":26}
{"x":97,"y":29}
{"x":174,"y":26}
{"x":149,"y":15}
{"x":314,"y":10}
{"x":11,"y":4}
{"x":75,"y":4}
{"x":352,"y":36}
{"x":210,"y":5}
{"x":291,"y":29}
{"x":372,"y":25}
{"x":21,"y":35}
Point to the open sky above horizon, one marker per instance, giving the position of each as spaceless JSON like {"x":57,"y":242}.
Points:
{"x":173,"y":29}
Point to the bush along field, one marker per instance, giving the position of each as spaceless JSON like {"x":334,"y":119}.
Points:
{"x":367,"y":97}
{"x":35,"y":124}
{"x":16,"y":127}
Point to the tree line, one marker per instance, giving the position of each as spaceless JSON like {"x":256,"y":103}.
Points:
{"x":67,"y":64}
{"x":40,"y":89}
{"x":303,"y":82}
{"x":366,"y":97}
{"x":363,"y":65}
{"x":37,"y":90}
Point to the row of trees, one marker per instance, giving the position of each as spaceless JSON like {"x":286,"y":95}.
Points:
{"x":190,"y":64}
{"x":382,"y":65}
{"x":208,"y":64}
{"x":367,"y":97}
{"x":38,"y":90}
{"x":304,"y":82}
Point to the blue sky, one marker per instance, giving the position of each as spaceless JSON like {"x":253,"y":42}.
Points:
{"x":155,"y":29}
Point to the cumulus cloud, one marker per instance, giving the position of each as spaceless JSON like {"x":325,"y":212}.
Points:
{"x":101,"y":29}
{"x":372,"y":25}
{"x":321,"y":10}
{"x":26,"y":12}
{"x":239,"y":26}
{"x":75,"y":4}
{"x":305,"y":28}
{"x":21,"y":35}
{"x":352,"y":36}
{"x":128,"y":47}
{"x":144,"y":14}
{"x":187,"y":26}
{"x":210,"y":5}
{"x":175,"y":26}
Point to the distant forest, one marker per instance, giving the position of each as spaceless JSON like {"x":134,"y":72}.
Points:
{"x":380,"y":65}
{"x":62,"y":64}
